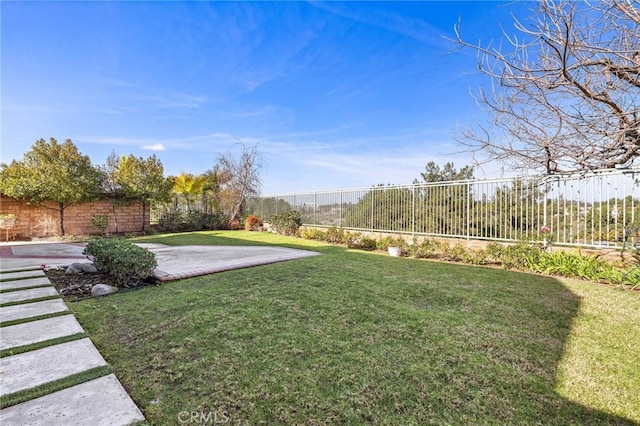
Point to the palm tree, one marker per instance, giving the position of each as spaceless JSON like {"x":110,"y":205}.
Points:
{"x":189,"y":186}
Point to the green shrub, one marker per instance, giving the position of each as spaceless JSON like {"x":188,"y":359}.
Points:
{"x":313,"y":234}
{"x":193,"y":220}
{"x":386,"y":242}
{"x":357,"y":241}
{"x":171,"y":222}
{"x":196,"y":220}
{"x":456,"y":253}
{"x":494,"y":252}
{"x":100,"y":222}
{"x":632,"y":278}
{"x":337,"y":235}
{"x":352,"y":238}
{"x":591,"y":268}
{"x":286,"y":223}
{"x":520,"y":256}
{"x":427,"y":248}
{"x":478,"y":257}
{"x":126,"y":262}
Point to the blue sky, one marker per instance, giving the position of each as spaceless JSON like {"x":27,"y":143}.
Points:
{"x":335,"y":94}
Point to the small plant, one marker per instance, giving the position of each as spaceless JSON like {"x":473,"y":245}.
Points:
{"x":336,"y":235}
{"x":286,"y":223}
{"x":7,"y":220}
{"x":363,"y":243}
{"x":100,"y":222}
{"x":456,"y":253}
{"x":313,"y":234}
{"x":386,"y":242}
{"x":547,"y":237}
{"x":428,"y":248}
{"x":632,"y":276}
{"x":253,"y":223}
{"x":126,"y":262}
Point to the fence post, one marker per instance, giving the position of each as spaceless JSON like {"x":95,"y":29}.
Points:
{"x":413,"y":211}
{"x":469,"y":200}
{"x":340,"y":211}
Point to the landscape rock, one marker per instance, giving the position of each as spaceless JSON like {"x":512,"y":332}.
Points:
{"x":74,"y":268}
{"x":89,"y":268}
{"x":103,"y":290}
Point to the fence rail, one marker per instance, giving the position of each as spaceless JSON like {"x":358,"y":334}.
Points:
{"x":592,"y":209}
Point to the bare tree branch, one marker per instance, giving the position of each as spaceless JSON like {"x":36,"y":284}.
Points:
{"x":239,"y":178}
{"x":565,"y":91}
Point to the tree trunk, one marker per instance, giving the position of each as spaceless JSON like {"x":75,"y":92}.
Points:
{"x":61,"y":206}
{"x":115,"y":217}
{"x":144,"y":208}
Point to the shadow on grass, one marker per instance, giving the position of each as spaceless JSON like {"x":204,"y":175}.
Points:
{"x":353,"y":338}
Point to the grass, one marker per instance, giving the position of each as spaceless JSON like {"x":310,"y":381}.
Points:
{"x":361,"y":338}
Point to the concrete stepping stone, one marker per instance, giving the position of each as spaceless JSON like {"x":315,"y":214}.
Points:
{"x":7,"y":270}
{"x":39,"y":331}
{"x":6,"y":276}
{"x":29,"y":310}
{"x":29,"y":282}
{"x":99,"y":402}
{"x":24,"y":295}
{"x":30,"y":369}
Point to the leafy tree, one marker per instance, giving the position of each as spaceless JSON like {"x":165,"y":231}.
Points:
{"x":142,"y":180}
{"x":565,"y":89}
{"x":423,"y":207}
{"x":112,"y":186}
{"x":210,"y":190}
{"x":443,"y":208}
{"x":384,"y":208}
{"x":433,"y":173}
{"x":51,"y":171}
{"x":267,"y":207}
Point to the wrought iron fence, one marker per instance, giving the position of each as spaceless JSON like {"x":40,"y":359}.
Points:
{"x":591,"y":209}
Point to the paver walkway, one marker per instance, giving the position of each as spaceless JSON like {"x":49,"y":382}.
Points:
{"x":43,"y":348}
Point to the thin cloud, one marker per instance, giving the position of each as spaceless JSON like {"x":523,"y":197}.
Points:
{"x":176,"y":100}
{"x":154,"y":147}
{"x":409,"y":27}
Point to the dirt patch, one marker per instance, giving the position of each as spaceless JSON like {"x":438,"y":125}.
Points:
{"x":77,"y":286}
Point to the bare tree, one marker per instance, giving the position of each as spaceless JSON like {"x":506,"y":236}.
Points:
{"x":238,"y":179}
{"x":565,"y":92}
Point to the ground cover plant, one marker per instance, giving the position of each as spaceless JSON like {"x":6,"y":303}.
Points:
{"x":352,"y":337}
{"x":524,"y":256}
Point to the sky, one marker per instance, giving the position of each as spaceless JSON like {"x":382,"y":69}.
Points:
{"x":334,"y":94}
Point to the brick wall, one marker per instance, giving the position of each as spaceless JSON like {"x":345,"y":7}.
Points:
{"x":44,"y":221}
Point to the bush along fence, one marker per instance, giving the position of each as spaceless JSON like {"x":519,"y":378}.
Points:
{"x":522,"y":256}
{"x":590,"y":209}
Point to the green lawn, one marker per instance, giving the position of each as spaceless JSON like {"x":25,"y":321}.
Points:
{"x":361,"y":338}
